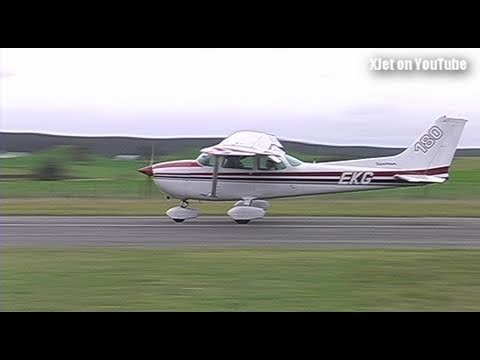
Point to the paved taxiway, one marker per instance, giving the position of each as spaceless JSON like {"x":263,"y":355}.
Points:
{"x":222,"y":231}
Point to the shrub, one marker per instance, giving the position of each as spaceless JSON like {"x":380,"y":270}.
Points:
{"x":50,"y":169}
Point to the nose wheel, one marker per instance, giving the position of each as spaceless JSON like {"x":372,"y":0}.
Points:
{"x":183,"y":212}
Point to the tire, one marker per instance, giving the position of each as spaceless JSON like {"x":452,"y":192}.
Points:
{"x":178,"y":220}
{"x":242,"y":221}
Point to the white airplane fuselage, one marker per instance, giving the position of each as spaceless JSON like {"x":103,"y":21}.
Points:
{"x":189,"y":179}
{"x":253,"y":167}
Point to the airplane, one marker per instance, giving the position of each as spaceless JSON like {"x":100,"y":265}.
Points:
{"x":251,"y":167}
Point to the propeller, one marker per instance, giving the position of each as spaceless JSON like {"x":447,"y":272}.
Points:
{"x":148,"y":170}
{"x":151,"y":156}
{"x":150,"y":178}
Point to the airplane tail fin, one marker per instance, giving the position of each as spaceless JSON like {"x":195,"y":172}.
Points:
{"x":433,"y":149}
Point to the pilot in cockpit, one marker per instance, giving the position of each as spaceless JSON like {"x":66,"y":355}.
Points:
{"x":233,"y":162}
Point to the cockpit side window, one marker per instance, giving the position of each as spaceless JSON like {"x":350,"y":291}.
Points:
{"x":265,"y":163}
{"x":238,"y":162}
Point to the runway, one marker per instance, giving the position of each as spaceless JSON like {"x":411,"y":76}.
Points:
{"x":345,"y":232}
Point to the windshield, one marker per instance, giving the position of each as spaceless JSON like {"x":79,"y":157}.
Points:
{"x":206,"y":160}
{"x":293,"y":161}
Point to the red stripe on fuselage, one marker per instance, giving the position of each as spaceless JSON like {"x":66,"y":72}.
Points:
{"x":433,"y":171}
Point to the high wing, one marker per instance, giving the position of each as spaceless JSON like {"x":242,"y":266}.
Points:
{"x":244,"y":143}
{"x":247,"y":143}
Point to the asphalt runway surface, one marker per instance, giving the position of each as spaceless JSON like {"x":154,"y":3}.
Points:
{"x":350,"y":232}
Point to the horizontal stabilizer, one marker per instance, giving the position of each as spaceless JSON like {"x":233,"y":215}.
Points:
{"x":421,"y":178}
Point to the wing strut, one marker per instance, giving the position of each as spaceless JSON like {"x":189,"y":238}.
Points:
{"x":213,"y":193}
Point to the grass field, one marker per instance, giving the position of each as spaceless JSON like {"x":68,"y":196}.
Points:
{"x":100,"y":279}
{"x":190,"y":279}
{"x":105,"y":186}
{"x":312,"y":206}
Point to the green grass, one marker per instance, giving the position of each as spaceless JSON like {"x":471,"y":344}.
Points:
{"x":106,"y":186}
{"x":310,"y":206}
{"x":101,"y":279}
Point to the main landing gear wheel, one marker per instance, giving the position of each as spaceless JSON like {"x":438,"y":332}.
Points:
{"x":242,"y":221}
{"x":243,"y":214}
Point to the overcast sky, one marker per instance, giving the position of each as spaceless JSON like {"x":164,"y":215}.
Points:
{"x":318,"y":95}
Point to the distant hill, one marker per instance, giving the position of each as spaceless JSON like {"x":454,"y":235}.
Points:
{"x":112,"y":146}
